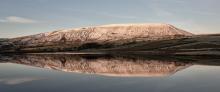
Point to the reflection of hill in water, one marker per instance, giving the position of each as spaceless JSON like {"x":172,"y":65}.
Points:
{"x":103,"y":65}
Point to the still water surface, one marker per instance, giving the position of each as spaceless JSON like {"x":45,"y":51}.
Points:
{"x":108,"y":73}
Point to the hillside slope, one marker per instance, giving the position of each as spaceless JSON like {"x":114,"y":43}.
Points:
{"x":195,"y":45}
{"x":106,"y":36}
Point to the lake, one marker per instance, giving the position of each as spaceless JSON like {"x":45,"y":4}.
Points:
{"x":108,"y":73}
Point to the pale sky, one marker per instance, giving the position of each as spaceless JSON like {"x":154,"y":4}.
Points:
{"x":27,"y":17}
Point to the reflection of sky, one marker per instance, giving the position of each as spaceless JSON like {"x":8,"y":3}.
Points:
{"x":195,"y":78}
{"x":15,"y":81}
{"x":25,"y":17}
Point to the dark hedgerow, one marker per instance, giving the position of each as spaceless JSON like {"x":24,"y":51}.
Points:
{"x":94,"y":46}
{"x":89,"y":46}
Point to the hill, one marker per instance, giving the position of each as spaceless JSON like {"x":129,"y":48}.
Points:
{"x":98,"y":37}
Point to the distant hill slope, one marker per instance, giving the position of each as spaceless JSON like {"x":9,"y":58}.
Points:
{"x":106,"y":36}
{"x":195,"y":45}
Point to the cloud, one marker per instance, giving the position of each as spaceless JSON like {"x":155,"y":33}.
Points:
{"x":15,"y":81}
{"x":15,"y":19}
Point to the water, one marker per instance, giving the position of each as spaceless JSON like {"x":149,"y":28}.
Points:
{"x":108,"y":73}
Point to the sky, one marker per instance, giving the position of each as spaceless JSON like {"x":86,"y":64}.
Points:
{"x":27,"y":17}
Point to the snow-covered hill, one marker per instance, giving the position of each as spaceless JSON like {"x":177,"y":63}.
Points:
{"x":107,"y":33}
{"x":114,"y":34}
